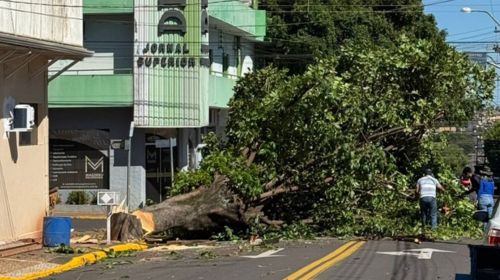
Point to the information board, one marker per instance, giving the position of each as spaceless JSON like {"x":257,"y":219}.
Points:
{"x":79,"y":159}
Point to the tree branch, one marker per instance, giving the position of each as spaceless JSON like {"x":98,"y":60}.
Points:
{"x":264,"y":197}
{"x":270,"y":222}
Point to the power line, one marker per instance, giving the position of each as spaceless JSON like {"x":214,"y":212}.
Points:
{"x":231,"y":1}
{"x":467,"y":32}
{"x":222,"y":1}
{"x":475,"y":36}
{"x":438,"y":3}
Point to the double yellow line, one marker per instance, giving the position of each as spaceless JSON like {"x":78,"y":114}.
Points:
{"x":314,"y":269}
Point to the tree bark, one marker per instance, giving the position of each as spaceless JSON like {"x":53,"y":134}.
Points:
{"x":199,"y":214}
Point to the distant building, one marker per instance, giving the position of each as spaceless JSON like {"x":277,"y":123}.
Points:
{"x":33,"y":35}
{"x":168,"y":66}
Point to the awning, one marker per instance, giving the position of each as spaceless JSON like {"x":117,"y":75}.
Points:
{"x":51,"y":49}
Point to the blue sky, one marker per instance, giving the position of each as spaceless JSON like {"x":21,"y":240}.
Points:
{"x":468,"y":32}
{"x":465,"y":27}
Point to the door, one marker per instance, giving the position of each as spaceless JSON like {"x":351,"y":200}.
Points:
{"x":159,"y":156}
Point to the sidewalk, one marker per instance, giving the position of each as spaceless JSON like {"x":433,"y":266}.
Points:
{"x":90,"y":233}
{"x":27,"y":263}
{"x":89,"y":245}
{"x":43,"y":263}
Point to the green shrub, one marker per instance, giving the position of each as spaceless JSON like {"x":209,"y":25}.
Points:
{"x":78,"y":198}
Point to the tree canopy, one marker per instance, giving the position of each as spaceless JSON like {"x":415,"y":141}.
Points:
{"x":299,"y":30}
{"x":332,"y":137}
{"x":341,"y":145}
{"x":492,"y":147}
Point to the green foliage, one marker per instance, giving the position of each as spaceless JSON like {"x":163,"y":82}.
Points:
{"x":112,"y":254}
{"x":454,"y":157}
{"x":227,"y":235}
{"x":243,"y":180}
{"x":64,"y":249}
{"x":302,"y":29}
{"x":354,"y":131}
{"x":492,"y":147}
{"x":287,"y":232}
{"x":463,"y":140}
{"x":78,"y":198}
{"x":493,"y":133}
{"x":190,"y":180}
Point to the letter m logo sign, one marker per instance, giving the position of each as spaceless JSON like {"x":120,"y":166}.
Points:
{"x":99,"y":164}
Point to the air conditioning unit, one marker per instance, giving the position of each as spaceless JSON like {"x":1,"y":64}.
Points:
{"x":22,"y":118}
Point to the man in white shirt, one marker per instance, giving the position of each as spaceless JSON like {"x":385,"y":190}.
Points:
{"x":426,"y":189}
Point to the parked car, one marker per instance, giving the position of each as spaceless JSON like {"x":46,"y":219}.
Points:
{"x":485,"y":264}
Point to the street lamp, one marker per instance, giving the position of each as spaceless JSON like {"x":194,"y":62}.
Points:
{"x":469,"y":10}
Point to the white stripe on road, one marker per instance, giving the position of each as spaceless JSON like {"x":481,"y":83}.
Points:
{"x":266,"y":254}
{"x":423,"y":254}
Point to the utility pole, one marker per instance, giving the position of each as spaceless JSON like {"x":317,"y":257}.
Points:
{"x":129,"y":148}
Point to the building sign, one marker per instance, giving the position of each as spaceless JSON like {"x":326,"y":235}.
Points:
{"x":79,"y":159}
{"x":171,"y":63}
{"x":107,"y":198}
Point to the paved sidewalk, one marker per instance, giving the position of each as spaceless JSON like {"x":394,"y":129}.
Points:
{"x":92,"y":230}
{"x":41,"y":259}
{"x":42,"y":263}
{"x":26,"y":263}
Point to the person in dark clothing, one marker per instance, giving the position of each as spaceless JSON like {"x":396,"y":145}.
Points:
{"x":475,"y":181}
{"x":465,"y":178}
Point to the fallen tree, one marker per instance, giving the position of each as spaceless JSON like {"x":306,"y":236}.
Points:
{"x":338,"y":148}
{"x":204,"y":210}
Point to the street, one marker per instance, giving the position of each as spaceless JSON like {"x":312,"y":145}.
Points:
{"x":374,"y":260}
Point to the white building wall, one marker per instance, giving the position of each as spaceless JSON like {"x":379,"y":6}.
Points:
{"x":50,"y":20}
{"x":111,"y":38}
{"x":247,"y":56}
{"x":223,"y":43}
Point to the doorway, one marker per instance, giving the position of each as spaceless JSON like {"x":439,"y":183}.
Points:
{"x":161,"y":159}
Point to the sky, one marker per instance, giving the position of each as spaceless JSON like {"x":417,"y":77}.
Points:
{"x":474,"y":32}
{"x":465,"y":27}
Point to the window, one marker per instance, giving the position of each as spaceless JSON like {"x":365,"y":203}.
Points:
{"x":237,"y":54}
{"x":225,"y":62}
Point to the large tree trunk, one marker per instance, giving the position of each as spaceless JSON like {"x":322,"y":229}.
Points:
{"x":201,"y":212}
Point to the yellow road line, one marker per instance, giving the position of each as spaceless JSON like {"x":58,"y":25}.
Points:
{"x":314,"y":269}
{"x":318,"y":270}
{"x":309,"y":267}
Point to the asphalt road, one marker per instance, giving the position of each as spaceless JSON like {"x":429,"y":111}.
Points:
{"x":375,"y":260}
{"x":367,"y":264}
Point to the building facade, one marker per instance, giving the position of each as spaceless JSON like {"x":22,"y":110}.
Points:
{"x":32,"y":36}
{"x":167,"y":66}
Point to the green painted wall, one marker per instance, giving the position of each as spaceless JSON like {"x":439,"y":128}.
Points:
{"x":108,"y":6}
{"x":91,"y":91}
{"x":220,"y":91}
{"x":117,"y":91}
{"x":239,"y":15}
{"x":232,"y":12}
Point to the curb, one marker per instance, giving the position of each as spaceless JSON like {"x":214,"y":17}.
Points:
{"x":85,"y":259}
